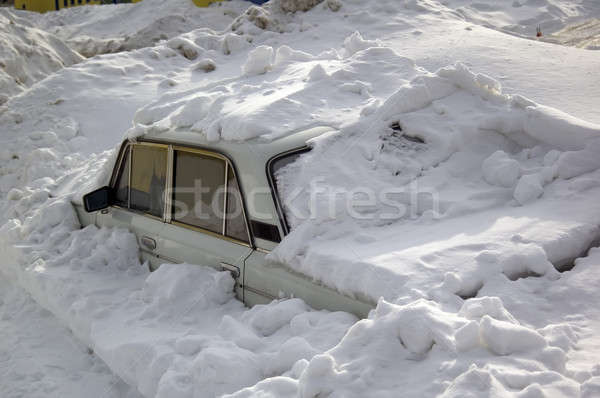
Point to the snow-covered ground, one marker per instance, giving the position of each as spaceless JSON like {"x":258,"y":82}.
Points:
{"x":479,"y":142}
{"x":39,"y":357}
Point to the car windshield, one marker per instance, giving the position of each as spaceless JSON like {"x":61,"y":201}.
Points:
{"x":277,"y":169}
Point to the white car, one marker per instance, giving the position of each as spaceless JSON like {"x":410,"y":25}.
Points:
{"x":212,"y":203}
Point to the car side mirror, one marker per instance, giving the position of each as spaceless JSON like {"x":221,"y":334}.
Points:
{"x":97,"y":200}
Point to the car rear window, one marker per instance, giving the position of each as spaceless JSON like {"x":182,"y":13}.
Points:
{"x":276,"y":167}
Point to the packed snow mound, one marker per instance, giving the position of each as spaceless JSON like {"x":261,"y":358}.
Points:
{"x":93,"y":30}
{"x":431,"y":122}
{"x":282,"y":84}
{"x":399,"y":348}
{"x":28,"y":55}
{"x":286,"y":84}
{"x":178,"y":331}
{"x":278,"y":16}
{"x":448,"y":151}
{"x":60,"y":126}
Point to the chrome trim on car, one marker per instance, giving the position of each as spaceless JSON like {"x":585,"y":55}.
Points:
{"x":247,"y":222}
{"x":211,"y":233}
{"x":169,"y":185}
{"x":225,"y":199}
{"x":129,"y":159}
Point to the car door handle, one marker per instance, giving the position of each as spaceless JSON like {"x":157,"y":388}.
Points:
{"x":148,"y":242}
{"x":235,"y":271}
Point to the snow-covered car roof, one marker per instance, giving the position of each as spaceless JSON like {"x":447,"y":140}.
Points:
{"x":248,"y":154}
{"x":250,"y":160}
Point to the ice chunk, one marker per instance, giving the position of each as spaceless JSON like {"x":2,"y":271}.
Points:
{"x":575,"y":163}
{"x":528,"y":188}
{"x":355,"y":43}
{"x":498,"y":169}
{"x":505,"y":338}
{"x":260,"y":60}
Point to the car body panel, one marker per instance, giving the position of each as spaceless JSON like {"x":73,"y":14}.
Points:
{"x":266,"y":280}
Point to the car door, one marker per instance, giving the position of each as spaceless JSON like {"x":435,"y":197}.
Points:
{"x":139,"y":186}
{"x":206,"y":221}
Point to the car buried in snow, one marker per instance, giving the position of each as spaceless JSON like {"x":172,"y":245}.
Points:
{"x":189,"y":200}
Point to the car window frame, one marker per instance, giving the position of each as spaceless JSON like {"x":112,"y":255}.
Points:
{"x":273,"y":184}
{"x":167,"y":213}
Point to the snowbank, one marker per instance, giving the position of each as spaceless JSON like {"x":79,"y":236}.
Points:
{"x":94,"y":30}
{"x":422,"y":350}
{"x":27,"y":54}
{"x":448,"y":151}
{"x":176,"y":332}
{"x":255,"y":104}
{"x":489,"y":193}
{"x":179,"y":331}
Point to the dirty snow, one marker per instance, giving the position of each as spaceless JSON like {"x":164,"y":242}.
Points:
{"x":479,"y":262}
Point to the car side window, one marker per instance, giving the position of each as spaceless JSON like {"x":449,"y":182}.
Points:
{"x":148,"y":179}
{"x":204,"y":190}
{"x":198,"y":190}
{"x":143,"y":187}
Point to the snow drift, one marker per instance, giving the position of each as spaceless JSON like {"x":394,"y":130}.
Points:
{"x":490,"y":193}
{"x":176,"y":332}
{"x":28,"y":55}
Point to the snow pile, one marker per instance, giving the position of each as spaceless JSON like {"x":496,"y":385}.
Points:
{"x":176,"y":332}
{"x":255,"y":104}
{"x":485,"y":194}
{"x":180,"y":332}
{"x":62,"y":125}
{"x":278,"y":16}
{"x":434,"y":120}
{"x":423,"y":351}
{"x":447,"y":151}
{"x":27,"y":54}
{"x":93,"y":30}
